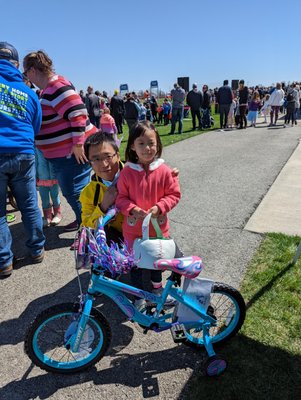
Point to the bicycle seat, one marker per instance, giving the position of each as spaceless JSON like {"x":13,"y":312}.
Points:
{"x":190,"y":267}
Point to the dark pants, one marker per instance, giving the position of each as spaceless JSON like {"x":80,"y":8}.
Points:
{"x":155,"y":275}
{"x":290,"y":113}
{"x":160,"y":118}
{"x":206,"y":123}
{"x":118,"y":122}
{"x":274,"y":111}
{"x":166,"y":119}
{"x":242,"y":117}
{"x":196,"y":114}
{"x":223,"y":114}
{"x":131,"y":122}
{"x":94,"y":120}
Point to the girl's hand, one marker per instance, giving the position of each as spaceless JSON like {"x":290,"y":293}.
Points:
{"x":79,"y":154}
{"x":138,"y":213}
{"x":109,"y":198}
{"x":155,"y":211}
{"x":175,"y":172}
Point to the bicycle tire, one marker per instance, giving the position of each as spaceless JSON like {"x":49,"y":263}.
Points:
{"x":44,"y":343}
{"x":227,"y":324}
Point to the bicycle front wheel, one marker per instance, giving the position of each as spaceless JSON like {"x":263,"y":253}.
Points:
{"x":46,"y":338}
{"x":228,"y":308}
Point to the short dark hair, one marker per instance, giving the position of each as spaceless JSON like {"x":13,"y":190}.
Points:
{"x":136,"y":131}
{"x":226,"y":82}
{"x":99,"y":138}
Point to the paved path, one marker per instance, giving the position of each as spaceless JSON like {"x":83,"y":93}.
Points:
{"x":224,"y":176}
{"x":280,"y":210}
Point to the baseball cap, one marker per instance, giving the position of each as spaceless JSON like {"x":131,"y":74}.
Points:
{"x":8,"y":52}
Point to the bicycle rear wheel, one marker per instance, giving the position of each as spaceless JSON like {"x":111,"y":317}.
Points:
{"x":227,"y":306}
{"x":46,"y":338}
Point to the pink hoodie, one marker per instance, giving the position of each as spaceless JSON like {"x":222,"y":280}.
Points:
{"x":107,"y":124}
{"x":136,"y":187}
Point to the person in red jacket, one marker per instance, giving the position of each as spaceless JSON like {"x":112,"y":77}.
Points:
{"x":146,"y":185}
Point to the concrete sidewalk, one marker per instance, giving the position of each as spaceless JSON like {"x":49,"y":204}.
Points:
{"x":280,"y":210}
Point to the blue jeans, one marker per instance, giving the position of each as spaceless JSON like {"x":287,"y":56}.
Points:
{"x":18,"y":172}
{"x":72,"y":178}
{"x":47,"y":192}
{"x":176,"y":115}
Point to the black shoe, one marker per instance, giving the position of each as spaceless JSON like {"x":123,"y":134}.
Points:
{"x":73,"y":226}
{"x":6,"y":272}
{"x":37,"y":259}
{"x":171,"y":133}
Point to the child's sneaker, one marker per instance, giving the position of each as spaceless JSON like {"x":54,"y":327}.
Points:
{"x":169,"y":302}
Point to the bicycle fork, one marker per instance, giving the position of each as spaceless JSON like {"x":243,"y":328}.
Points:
{"x":74,"y":340}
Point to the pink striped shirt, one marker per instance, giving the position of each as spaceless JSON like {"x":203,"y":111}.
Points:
{"x":65,"y":119}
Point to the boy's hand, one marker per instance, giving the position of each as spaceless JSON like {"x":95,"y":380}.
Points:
{"x":138,"y":213}
{"x":109,"y":198}
{"x":155,"y":211}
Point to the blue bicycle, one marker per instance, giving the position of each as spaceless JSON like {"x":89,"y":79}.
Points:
{"x":68,"y":338}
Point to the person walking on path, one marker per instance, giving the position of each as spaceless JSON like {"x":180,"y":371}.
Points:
{"x":276,"y":100}
{"x":64,"y":129}
{"x":131,"y":110}
{"x":224,"y":99}
{"x":117,"y":110}
{"x":206,"y":108}
{"x":194,"y":100}
{"x":20,"y":121}
{"x":92,"y":102}
{"x":177,"y":111}
{"x":292,"y":99}
{"x":243,"y":95}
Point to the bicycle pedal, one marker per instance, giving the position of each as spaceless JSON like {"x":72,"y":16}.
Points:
{"x":178,"y":333}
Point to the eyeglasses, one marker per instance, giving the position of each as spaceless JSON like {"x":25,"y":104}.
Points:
{"x":108,"y":158}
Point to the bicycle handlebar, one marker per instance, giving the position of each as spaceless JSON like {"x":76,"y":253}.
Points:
{"x":106,"y":218}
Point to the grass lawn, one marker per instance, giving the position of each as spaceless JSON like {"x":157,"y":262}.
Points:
{"x":265,"y":357}
{"x":170,"y":139}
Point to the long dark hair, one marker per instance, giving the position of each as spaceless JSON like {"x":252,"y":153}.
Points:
{"x":136,"y":131}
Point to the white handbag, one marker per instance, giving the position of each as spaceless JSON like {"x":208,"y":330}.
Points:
{"x":148,"y":250}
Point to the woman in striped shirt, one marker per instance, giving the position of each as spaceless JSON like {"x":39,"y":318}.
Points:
{"x":65,"y":126}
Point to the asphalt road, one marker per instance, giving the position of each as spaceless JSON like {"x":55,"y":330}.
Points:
{"x":224,"y":176}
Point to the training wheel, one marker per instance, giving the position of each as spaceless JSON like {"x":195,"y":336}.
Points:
{"x":215,"y":366}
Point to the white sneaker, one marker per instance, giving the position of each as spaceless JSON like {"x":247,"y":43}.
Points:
{"x":56,"y":220}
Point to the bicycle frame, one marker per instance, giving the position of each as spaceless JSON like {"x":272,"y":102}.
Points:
{"x":156,"y":322}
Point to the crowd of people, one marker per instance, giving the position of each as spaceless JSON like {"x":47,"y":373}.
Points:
{"x":237,"y":107}
{"x":58,"y":138}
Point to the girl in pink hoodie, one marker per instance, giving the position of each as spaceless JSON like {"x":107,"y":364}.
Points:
{"x":146,"y":185}
{"x":107,"y":124}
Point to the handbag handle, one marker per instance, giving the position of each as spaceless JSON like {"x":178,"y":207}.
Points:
{"x":145,"y":227}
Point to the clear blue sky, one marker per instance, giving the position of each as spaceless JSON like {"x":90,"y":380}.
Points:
{"x":106,"y":43}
